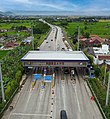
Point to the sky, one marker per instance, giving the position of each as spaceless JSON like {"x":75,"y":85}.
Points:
{"x":80,"y":6}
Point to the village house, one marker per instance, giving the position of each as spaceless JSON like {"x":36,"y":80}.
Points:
{"x":102,"y":51}
{"x":94,"y":40}
{"x":10,"y":44}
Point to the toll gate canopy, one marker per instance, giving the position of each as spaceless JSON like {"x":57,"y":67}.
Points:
{"x":55,"y":59}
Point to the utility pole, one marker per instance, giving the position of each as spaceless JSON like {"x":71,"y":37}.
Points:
{"x":108,"y":90}
{"x":32,"y":39}
{"x":78,"y":37}
{"x":105,"y":73}
{"x":2,"y":87}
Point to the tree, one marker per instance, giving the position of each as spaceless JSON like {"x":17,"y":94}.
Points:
{"x":97,"y":71}
{"x":87,"y":35}
{"x":85,"y":27}
{"x":64,"y":23}
{"x":90,"y":58}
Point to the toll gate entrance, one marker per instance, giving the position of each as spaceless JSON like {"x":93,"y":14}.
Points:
{"x":55,"y":59}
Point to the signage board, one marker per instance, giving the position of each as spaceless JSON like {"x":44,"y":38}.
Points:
{"x":48,"y":78}
{"x":37,"y":76}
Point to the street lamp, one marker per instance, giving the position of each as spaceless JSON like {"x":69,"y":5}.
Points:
{"x":32,"y":39}
{"x":2,"y":87}
{"x":105,"y":73}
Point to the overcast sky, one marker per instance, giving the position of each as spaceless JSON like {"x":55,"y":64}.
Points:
{"x":88,"y":6}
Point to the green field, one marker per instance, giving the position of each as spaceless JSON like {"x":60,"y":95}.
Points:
{"x":95,"y":28}
{"x":8,"y":25}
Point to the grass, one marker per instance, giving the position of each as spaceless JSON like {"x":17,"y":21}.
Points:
{"x":9,"y":25}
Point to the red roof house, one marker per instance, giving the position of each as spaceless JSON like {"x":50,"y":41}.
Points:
{"x":10,"y":45}
{"x":93,"y":40}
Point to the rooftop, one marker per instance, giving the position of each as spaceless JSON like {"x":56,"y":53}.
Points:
{"x":55,"y":56}
{"x":103,"y":50}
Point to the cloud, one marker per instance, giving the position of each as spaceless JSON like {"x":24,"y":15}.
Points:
{"x":86,"y":6}
{"x":57,"y":7}
{"x":23,"y":1}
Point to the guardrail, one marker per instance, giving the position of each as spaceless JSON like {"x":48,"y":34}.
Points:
{"x":7,"y":104}
{"x":99,"y":105}
{"x":12,"y":96}
{"x":56,"y":32}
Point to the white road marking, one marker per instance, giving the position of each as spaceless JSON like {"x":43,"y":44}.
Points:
{"x":63,"y":93}
{"x":77,"y":100}
{"x":24,"y":114}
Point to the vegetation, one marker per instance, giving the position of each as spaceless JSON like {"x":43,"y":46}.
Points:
{"x":3,"y":53}
{"x":87,"y":28}
{"x":40,"y":28}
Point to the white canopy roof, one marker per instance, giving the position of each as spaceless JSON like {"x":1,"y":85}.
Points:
{"x":55,"y":56}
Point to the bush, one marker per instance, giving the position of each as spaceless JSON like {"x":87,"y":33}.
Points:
{"x":18,"y":76}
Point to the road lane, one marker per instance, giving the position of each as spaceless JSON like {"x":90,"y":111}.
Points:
{"x":89,"y":108}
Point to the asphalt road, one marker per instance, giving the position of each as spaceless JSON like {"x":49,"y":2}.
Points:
{"x":39,"y":103}
{"x":73,"y":97}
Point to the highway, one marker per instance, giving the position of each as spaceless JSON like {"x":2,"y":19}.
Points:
{"x":70,"y":95}
{"x":50,"y":42}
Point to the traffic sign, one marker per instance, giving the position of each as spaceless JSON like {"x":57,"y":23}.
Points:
{"x":48,"y":78}
{"x":37,"y":76}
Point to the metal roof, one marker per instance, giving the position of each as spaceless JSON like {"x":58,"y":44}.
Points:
{"x":55,"y":56}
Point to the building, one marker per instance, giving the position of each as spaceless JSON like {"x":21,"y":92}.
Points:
{"x":94,"y":40}
{"x":28,"y":40}
{"x":10,"y":45}
{"x":104,"y":50}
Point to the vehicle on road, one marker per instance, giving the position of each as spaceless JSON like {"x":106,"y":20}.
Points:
{"x":51,"y":39}
{"x":11,"y":107}
{"x":66,"y":71}
{"x":49,"y":46}
{"x":38,"y":48}
{"x":63,"y":114}
{"x":63,"y":49}
{"x":47,"y":42}
{"x":72,"y":72}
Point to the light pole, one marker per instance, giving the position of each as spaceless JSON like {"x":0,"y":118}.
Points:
{"x":78,"y":37}
{"x":2,"y":87}
{"x":108,"y":90}
{"x":105,"y":73}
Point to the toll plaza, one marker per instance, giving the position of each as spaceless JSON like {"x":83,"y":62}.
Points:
{"x":45,"y":62}
{"x":55,"y":59}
